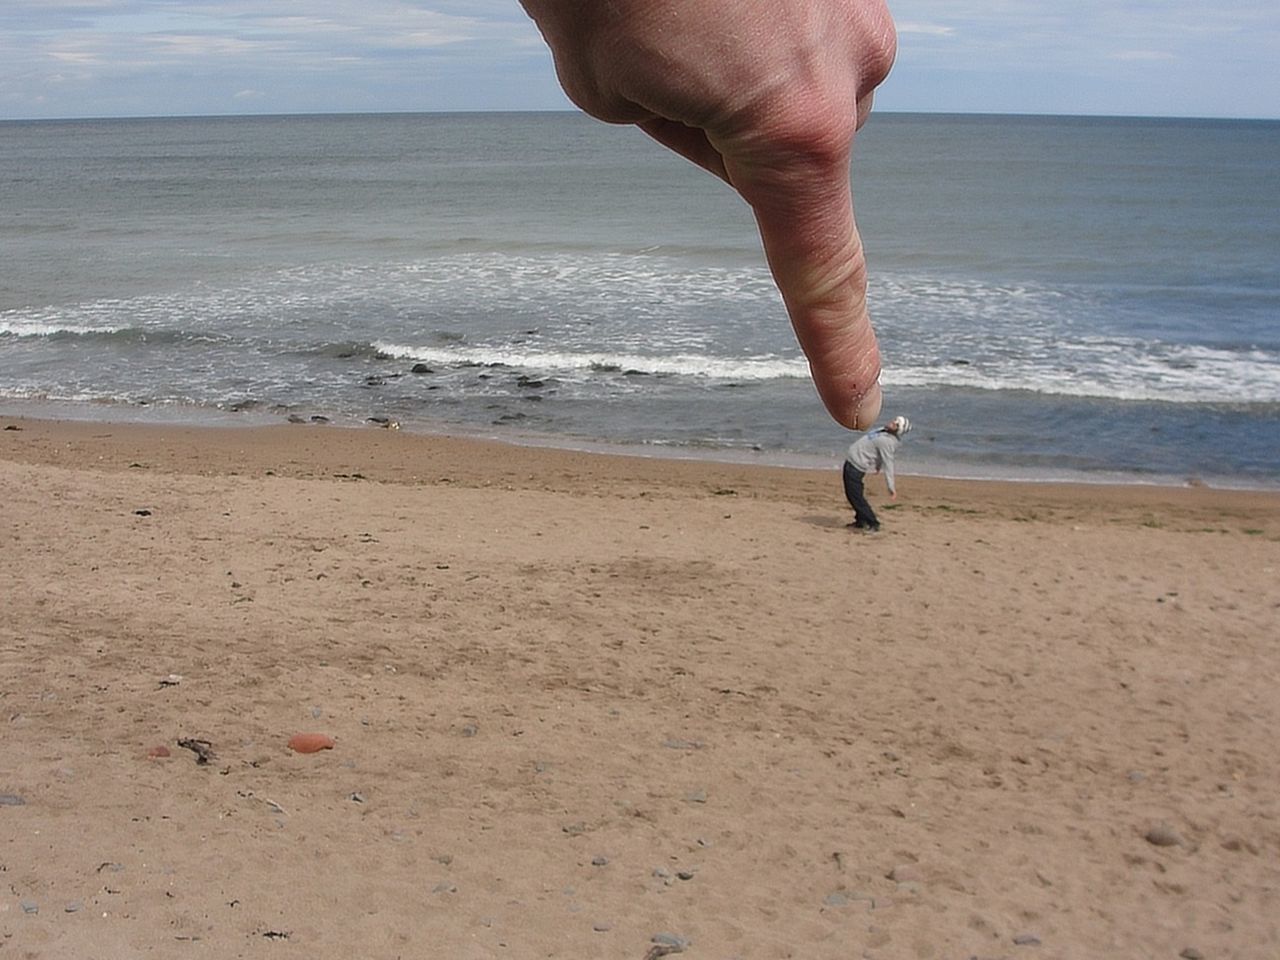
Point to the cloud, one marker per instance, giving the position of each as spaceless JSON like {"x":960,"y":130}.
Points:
{"x":929,"y":29}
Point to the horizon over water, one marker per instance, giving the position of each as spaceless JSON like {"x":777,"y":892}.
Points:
{"x":1056,"y":297}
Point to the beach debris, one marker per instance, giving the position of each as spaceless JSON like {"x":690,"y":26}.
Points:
{"x":158,"y":752}
{"x":142,"y":512}
{"x":12,"y":426}
{"x":420,"y":368}
{"x":1163,"y":835}
{"x":276,"y":934}
{"x":311,"y":742}
{"x":600,"y":860}
{"x":1026,"y":940}
{"x":172,"y":680}
{"x":11,"y":800}
{"x":203,"y":749}
{"x":665,"y":944}
{"x":294,"y":418}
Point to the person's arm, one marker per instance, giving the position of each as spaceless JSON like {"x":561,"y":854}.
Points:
{"x":766,"y":94}
{"x":887,"y":451}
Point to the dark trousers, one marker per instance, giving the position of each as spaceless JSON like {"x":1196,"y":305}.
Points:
{"x":863,"y":515}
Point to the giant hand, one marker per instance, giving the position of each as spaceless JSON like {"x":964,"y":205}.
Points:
{"x":766,"y":94}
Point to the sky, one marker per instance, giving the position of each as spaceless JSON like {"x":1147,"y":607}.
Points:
{"x":103,"y":58}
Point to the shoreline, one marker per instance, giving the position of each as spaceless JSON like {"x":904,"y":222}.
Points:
{"x":241,"y":420}
{"x":309,"y":451}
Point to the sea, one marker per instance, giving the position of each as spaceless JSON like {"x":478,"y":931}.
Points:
{"x":1057,"y":298}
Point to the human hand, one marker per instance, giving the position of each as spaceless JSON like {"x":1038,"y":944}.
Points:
{"x":767,"y":95}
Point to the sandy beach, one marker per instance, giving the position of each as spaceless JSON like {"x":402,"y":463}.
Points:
{"x":601,"y":706}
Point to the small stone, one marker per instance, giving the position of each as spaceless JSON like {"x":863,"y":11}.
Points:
{"x":445,"y":887}
{"x":11,"y":800}
{"x":470,"y":730}
{"x":671,"y":940}
{"x":602,"y":927}
{"x":574,"y":829}
{"x":599,"y":861}
{"x":29,"y":906}
{"x":316,"y":713}
{"x":836,"y":899}
{"x":684,"y":874}
{"x":1026,"y":940}
{"x":662,"y":873}
{"x":74,"y":906}
{"x":357,"y":798}
{"x":1163,"y":835}
{"x":697,"y":796}
{"x":1191,"y":953}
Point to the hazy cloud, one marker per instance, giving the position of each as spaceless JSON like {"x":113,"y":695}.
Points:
{"x":108,"y":57}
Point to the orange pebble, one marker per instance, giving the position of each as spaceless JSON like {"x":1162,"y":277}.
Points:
{"x":310,"y":742}
{"x":155,"y":753}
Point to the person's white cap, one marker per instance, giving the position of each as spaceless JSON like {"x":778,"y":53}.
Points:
{"x":900,"y":425}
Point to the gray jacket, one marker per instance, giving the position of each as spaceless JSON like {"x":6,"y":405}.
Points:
{"x":873,"y":453}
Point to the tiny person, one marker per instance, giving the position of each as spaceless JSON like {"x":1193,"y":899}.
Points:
{"x":872,"y":452}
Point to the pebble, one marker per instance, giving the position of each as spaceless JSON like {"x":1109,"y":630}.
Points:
{"x":1026,"y":940}
{"x":470,"y":730}
{"x":1191,"y":953}
{"x":74,"y":906}
{"x":836,"y":899}
{"x":1163,"y":835}
{"x":599,"y":861}
{"x":11,"y":800}
{"x":310,"y":742}
{"x":697,"y":796}
{"x":671,"y":940}
{"x":602,"y":927}
{"x":684,"y":874}
{"x":445,"y":887}
{"x":29,"y":906}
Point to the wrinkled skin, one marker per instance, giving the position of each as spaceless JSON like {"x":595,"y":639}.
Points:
{"x":767,"y":95}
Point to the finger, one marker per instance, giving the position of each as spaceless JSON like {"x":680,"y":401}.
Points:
{"x":804,"y":211}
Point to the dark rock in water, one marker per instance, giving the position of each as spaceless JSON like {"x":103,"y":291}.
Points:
{"x":530,"y":383}
{"x":294,"y":418}
{"x":420,"y":368}
{"x":960,"y":363}
{"x":316,"y":418}
{"x":374,"y":381}
{"x":242,"y":405}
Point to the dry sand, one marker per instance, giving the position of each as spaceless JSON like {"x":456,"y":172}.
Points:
{"x":580,"y":700}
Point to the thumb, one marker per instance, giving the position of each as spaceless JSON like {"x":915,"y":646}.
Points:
{"x":804,"y":211}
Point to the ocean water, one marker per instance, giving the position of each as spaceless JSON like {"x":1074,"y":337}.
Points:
{"x":1055,"y":297}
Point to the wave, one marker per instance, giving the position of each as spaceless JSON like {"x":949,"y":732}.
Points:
{"x":1112,"y":370}
{"x":566,"y":362}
